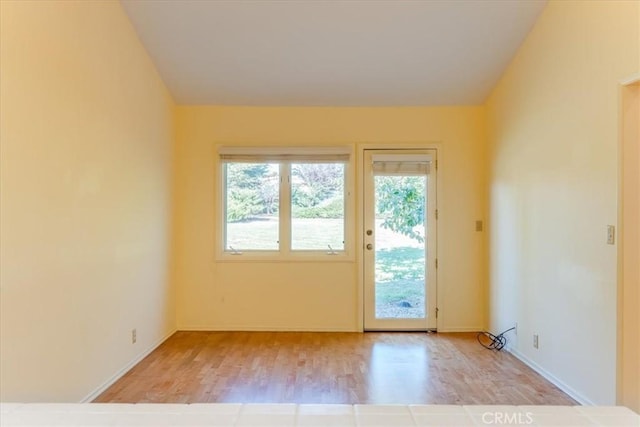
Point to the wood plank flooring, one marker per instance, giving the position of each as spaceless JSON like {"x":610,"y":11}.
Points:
{"x":351,"y":368}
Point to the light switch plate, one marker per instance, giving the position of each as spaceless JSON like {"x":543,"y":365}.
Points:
{"x":611,"y":234}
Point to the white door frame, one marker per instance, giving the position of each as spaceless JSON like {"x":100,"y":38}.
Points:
{"x":360,"y":150}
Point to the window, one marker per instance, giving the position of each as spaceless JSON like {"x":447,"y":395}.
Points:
{"x":317,"y":206}
{"x":251,"y":206}
{"x":283,"y":203}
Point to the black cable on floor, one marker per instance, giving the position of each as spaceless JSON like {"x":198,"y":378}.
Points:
{"x":493,"y":342}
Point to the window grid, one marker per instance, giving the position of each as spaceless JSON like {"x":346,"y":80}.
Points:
{"x":311,"y":213}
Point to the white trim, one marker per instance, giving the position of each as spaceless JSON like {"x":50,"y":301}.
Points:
{"x":360,"y":148}
{"x":299,"y":256}
{"x":459,"y":329}
{"x":369,"y":158}
{"x":551,"y":378}
{"x":285,"y":253}
{"x":240,"y":328}
{"x":120,"y":373}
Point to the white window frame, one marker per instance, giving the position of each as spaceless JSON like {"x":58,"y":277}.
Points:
{"x":285,"y":156}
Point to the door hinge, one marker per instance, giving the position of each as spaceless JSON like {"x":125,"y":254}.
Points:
{"x":436,"y":213}
{"x":437,"y":309}
{"x":436,"y":262}
{"x":436,"y":165}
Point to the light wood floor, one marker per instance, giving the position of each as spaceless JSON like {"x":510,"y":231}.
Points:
{"x":352,"y":368}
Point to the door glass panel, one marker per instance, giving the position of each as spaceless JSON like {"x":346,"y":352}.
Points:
{"x":400,"y":224}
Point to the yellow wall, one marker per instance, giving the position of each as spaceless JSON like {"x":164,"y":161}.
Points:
{"x":86,"y":130}
{"x":629,"y":292}
{"x":554,"y":125}
{"x":85,"y":162}
{"x":322,"y":296}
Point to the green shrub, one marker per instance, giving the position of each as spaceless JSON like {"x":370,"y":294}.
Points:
{"x":332,"y":208}
{"x":243,"y":203}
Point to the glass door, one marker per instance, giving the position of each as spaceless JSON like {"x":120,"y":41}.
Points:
{"x":399,"y":240}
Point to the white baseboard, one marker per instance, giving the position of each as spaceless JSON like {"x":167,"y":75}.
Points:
{"x":95,"y":393}
{"x":462,"y":329}
{"x":235,"y":328}
{"x":551,"y":378}
{"x":228,"y":328}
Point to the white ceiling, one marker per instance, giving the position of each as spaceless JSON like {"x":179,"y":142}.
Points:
{"x":338,"y":53}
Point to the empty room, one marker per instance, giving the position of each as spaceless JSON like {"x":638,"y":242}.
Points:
{"x":314,"y":212}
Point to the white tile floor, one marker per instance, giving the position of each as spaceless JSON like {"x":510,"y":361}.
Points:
{"x":99,"y":414}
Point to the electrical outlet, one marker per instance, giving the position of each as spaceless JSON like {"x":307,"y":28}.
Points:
{"x":535,"y":340}
{"x":134,"y":336}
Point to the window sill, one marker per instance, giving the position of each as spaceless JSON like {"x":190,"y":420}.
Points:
{"x":273,"y":257}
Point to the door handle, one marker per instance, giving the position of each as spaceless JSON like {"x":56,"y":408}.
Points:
{"x":369,"y":246}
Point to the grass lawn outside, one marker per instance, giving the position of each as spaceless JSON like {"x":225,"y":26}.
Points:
{"x":400,"y":266}
{"x":306,"y":233}
{"x":400,"y":290}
